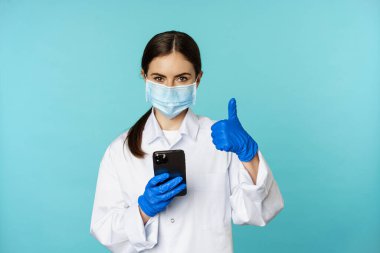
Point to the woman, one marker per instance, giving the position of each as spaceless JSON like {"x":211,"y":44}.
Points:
{"x":227,"y":177}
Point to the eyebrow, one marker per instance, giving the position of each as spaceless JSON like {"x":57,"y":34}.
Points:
{"x":185,"y":73}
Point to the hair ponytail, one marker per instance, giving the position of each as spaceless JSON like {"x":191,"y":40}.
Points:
{"x":134,"y":136}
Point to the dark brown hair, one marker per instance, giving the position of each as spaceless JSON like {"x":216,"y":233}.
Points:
{"x":160,"y":45}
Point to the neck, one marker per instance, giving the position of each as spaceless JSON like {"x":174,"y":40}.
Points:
{"x":169,"y":124}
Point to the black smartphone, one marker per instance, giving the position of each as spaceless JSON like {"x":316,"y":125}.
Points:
{"x":172,"y":162}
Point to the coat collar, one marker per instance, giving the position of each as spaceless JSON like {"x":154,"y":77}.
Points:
{"x":189,"y":126}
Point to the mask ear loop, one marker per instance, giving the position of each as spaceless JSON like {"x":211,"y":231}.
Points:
{"x":195,"y":91}
{"x":146,"y":89}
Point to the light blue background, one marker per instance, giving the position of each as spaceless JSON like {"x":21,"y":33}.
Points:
{"x":305,"y":75}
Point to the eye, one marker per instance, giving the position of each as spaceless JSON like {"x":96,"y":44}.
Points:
{"x":183,"y":78}
{"x":158,"y":78}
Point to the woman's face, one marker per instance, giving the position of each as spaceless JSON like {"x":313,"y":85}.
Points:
{"x":171,"y":70}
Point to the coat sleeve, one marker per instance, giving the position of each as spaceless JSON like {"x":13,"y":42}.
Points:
{"x":115,"y":222}
{"x":253,"y":204}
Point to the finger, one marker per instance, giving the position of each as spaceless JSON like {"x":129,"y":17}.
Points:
{"x":161,"y":205}
{"x":217,"y":133}
{"x":222,"y":144}
{"x":218,"y":125}
{"x":217,"y":144}
{"x":167,"y":186}
{"x":227,"y":147}
{"x":219,"y":141}
{"x":173,"y":192}
{"x":232,"y":112}
{"x":158,"y":179}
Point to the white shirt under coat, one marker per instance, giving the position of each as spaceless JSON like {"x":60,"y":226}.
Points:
{"x":219,"y":189}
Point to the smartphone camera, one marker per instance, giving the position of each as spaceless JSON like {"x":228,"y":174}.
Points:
{"x":160,"y":158}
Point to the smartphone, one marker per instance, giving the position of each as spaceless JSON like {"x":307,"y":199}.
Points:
{"x":172,"y":162}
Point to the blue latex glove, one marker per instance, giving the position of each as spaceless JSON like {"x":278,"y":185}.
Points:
{"x":229,"y":135}
{"x":157,"y":196}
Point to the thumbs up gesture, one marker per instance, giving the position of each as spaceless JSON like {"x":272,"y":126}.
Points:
{"x":229,"y":135}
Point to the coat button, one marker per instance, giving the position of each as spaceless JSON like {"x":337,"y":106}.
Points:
{"x":172,"y":220}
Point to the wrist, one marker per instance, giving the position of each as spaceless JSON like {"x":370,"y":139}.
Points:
{"x":147,"y":211}
{"x":144,"y":216}
{"x":249,"y":151}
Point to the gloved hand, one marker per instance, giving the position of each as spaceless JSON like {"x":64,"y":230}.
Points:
{"x":229,"y":135}
{"x":157,"y":197}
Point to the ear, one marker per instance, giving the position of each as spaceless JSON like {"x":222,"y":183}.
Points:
{"x":199,"y":77}
{"x":142,"y":74}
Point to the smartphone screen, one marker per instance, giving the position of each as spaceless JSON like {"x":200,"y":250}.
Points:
{"x":172,"y":162}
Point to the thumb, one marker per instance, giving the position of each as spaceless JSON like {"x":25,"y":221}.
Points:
{"x":232,"y":113}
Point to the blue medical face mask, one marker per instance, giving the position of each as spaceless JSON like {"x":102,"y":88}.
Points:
{"x":170,"y":100}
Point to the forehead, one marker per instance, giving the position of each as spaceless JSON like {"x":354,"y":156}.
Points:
{"x":171,"y":65}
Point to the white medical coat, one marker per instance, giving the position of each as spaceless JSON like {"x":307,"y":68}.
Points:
{"x":219,"y":189}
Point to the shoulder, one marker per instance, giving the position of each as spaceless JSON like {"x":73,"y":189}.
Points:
{"x":205,"y":122}
{"x":117,"y":145}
